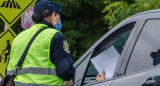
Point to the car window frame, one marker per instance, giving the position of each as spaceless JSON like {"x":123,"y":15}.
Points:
{"x":77,"y":81}
{"x":107,"y":39}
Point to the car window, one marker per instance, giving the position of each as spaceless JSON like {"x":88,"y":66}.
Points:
{"x":115,"y":43}
{"x":148,"y":42}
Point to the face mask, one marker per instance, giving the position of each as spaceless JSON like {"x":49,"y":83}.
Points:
{"x":59,"y":25}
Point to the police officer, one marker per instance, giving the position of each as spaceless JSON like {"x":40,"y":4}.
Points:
{"x":48,"y":61}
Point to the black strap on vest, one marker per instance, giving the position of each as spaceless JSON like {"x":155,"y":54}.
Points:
{"x":19,"y":64}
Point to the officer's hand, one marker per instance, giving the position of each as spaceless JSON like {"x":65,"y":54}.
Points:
{"x":101,"y":77}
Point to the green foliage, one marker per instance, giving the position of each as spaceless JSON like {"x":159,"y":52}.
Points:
{"x":113,"y":11}
{"x":128,"y":1}
{"x":119,"y":10}
{"x":144,"y":5}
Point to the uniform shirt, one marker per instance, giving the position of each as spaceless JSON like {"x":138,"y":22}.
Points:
{"x":61,"y":56}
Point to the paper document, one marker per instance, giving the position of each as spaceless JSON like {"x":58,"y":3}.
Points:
{"x":107,"y":60}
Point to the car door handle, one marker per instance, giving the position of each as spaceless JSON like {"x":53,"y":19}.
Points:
{"x":155,"y":81}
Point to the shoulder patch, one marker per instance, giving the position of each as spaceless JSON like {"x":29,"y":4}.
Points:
{"x":66,"y":46}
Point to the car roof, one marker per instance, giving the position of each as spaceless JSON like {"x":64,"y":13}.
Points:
{"x":146,"y":12}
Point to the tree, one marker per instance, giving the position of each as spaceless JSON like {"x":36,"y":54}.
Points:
{"x":116,"y":11}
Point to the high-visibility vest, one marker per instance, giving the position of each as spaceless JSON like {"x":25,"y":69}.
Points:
{"x":37,"y":69}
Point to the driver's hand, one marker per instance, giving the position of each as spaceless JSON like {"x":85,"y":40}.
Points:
{"x":101,"y":77}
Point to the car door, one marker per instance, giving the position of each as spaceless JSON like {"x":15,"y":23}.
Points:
{"x":140,"y":69}
{"x":81,"y":66}
{"x":116,"y":41}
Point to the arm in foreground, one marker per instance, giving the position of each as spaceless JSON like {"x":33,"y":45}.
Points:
{"x":61,"y":57}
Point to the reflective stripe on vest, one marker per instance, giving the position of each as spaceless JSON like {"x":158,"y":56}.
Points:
{"x":31,"y":70}
{"x":38,"y":79}
{"x":22,"y":84}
